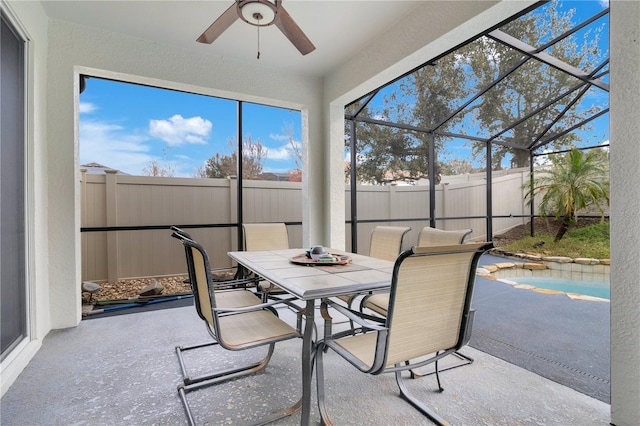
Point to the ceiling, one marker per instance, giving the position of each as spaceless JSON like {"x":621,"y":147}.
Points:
{"x":338,"y":29}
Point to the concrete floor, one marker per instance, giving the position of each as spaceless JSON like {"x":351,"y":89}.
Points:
{"x":123,"y":370}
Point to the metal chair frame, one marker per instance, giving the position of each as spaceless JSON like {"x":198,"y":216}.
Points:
{"x":383,"y":329}
{"x":265,"y":236}
{"x":221,"y":304}
{"x":385,"y":243}
{"x":430,"y":237}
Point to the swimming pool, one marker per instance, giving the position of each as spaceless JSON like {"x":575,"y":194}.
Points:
{"x":587,"y":288}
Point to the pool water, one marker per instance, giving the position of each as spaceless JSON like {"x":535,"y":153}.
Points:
{"x":587,"y":288}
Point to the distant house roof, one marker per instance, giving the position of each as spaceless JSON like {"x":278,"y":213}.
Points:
{"x":99,"y":169}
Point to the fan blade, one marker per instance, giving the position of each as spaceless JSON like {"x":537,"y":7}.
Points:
{"x":292,"y":31}
{"x":219,"y":26}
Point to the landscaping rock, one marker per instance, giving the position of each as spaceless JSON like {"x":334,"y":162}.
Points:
{"x":90,"y":287}
{"x":532,"y":266}
{"x":586,"y":261}
{"x":557,"y":259}
{"x":153,"y":289}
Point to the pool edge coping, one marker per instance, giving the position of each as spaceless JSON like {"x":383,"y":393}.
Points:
{"x":536,"y":263}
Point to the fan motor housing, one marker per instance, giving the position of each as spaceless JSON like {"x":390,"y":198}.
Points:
{"x":258,"y":12}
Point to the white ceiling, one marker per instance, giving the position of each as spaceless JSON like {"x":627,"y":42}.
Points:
{"x":337,"y":28}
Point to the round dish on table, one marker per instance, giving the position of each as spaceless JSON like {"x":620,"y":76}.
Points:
{"x":302,"y":259}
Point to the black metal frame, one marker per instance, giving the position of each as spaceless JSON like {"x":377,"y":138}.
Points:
{"x":587,"y":80}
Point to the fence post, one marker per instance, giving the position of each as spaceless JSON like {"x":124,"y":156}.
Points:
{"x":445,"y":201}
{"x":232,"y":181}
{"x":112,"y":220}
{"x":393,"y":195}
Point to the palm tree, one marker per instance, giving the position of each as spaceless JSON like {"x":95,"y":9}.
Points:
{"x":575,"y":181}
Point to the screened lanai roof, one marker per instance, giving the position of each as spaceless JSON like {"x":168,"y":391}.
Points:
{"x":539,"y":83}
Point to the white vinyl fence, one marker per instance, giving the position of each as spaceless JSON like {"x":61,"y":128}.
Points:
{"x":117,"y":200}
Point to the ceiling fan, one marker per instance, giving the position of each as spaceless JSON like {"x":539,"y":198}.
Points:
{"x":260,"y":13}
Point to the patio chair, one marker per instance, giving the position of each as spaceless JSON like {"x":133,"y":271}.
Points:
{"x":236,"y":320}
{"x":266,"y":236}
{"x":385,"y":243}
{"x":429,"y":237}
{"x":429,"y":317}
{"x":221,"y":274}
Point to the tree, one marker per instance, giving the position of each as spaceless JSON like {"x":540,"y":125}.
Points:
{"x":574,"y":182}
{"x":457,"y":167}
{"x":224,"y":166}
{"x":295,"y":175}
{"x":295,"y":149}
{"x":154,"y":168}
{"x":429,"y":97}
{"x":387,"y":153}
{"x":533,"y":84}
{"x":157,"y":169}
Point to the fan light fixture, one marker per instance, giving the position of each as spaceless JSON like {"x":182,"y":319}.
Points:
{"x":258,"y":12}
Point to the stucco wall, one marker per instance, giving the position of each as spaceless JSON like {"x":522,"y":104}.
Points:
{"x":625,"y":217}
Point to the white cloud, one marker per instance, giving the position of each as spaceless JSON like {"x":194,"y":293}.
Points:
{"x":284,"y":152}
{"x":281,"y":153}
{"x":109,"y":145}
{"x":87,"y":107}
{"x":178,"y":130}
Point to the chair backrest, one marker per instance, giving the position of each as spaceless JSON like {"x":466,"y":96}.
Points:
{"x":265,"y":236}
{"x":198,"y":268}
{"x":430,"y":299}
{"x":437,"y":237}
{"x":386,"y":241}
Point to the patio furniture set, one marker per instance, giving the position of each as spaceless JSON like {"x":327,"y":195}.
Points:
{"x":415,"y":307}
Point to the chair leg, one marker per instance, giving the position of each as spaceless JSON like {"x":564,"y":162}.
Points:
{"x":182,"y":392}
{"x":183,"y":397}
{"x":404,"y":393}
{"x":281,"y":414}
{"x":465,"y":360}
{"x":187,"y":380}
{"x":185,"y":376}
{"x":227,"y":375}
{"x":322,"y":408}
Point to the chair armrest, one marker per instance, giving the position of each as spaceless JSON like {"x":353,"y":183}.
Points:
{"x":467,"y":329}
{"x":267,"y":305}
{"x":232,"y":283}
{"x":367,"y":322}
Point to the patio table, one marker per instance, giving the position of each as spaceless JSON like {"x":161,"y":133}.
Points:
{"x":310,"y":283}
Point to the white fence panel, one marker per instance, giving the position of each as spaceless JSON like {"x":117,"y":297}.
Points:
{"x":115,"y":200}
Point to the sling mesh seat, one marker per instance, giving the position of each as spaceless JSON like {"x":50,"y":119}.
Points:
{"x":428,"y":316}
{"x":386,"y":244}
{"x":236,"y":320}
{"x":429,"y":237}
{"x":266,"y":236}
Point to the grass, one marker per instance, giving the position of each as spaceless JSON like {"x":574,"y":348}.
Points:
{"x":591,"y":241}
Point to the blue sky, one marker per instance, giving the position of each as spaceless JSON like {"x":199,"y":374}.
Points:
{"x":126,"y":126}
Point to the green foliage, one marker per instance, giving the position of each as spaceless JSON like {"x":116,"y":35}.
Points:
{"x":431,"y":98}
{"x":591,"y":242}
{"x":224,"y":166}
{"x":575,"y":181}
